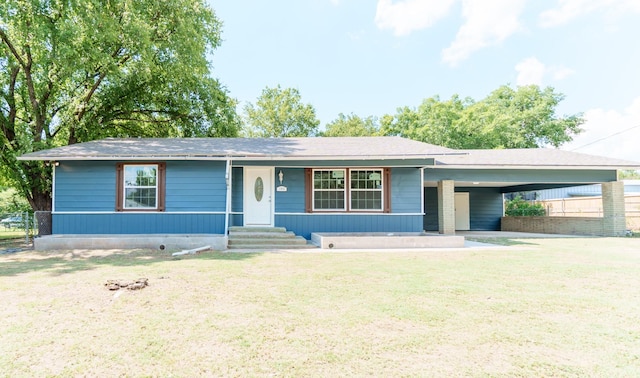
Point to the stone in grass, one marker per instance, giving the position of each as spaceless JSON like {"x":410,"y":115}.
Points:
{"x":138,"y":284}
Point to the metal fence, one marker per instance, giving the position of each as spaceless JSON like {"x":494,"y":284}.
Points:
{"x":15,"y":226}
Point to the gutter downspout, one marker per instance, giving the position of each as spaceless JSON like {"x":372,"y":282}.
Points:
{"x":53,"y":189}
{"x":227,"y":177}
{"x":422,"y":193}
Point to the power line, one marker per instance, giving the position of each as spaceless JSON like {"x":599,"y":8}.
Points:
{"x":607,"y":137}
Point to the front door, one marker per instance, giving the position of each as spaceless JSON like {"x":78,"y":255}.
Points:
{"x":462,"y":211}
{"x":258,"y":193}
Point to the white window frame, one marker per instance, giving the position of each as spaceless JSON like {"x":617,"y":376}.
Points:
{"x":125,"y":187}
{"x":376,"y":190}
{"x":343,"y":190}
{"x":347,"y":190}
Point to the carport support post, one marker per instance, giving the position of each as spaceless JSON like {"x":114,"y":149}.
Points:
{"x":615,"y":221}
{"x":446,"y":207}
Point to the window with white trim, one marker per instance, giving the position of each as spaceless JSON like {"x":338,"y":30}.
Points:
{"x":366,"y":189}
{"x":349,"y":190}
{"x":329,"y":189}
{"x":140,"y":187}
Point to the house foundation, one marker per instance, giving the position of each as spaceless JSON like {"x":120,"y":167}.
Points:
{"x":151,"y":241}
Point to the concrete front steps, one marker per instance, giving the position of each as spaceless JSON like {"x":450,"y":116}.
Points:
{"x":265,"y":238}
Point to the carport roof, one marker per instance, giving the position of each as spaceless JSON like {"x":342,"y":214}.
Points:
{"x":530,"y":158}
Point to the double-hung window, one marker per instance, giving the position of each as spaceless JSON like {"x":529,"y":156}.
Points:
{"x":348,"y":190}
{"x":140,"y":187}
{"x":329,"y":189}
{"x":366,"y":189}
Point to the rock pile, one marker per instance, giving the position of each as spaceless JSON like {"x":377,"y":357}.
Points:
{"x":138,"y":284}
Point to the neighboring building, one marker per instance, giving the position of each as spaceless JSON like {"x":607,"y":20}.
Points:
{"x":359,"y":184}
{"x":630,"y":187}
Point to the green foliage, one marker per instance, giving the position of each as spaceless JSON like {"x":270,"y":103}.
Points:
{"x":73,"y":71}
{"x":629,"y":174}
{"x":280,"y":113}
{"x":351,"y":125}
{"x":507,"y":118}
{"x":11,"y":202}
{"x":518,"y":207}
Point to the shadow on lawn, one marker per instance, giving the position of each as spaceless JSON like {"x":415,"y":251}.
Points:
{"x":59,"y":263}
{"x":499,"y":241}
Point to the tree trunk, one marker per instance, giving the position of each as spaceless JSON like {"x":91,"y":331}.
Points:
{"x":41,"y":200}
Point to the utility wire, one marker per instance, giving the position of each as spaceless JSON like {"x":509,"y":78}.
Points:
{"x":607,"y":137}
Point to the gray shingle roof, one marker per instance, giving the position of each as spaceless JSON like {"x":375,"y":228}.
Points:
{"x":533,"y":157}
{"x":318,"y":149}
{"x":180,"y":148}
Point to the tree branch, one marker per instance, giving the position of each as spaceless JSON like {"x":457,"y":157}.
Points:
{"x":13,"y":50}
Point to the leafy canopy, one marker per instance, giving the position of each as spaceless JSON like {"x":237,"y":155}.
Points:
{"x":507,"y":118}
{"x":351,"y":125}
{"x":77,"y":70}
{"x":281,"y":113}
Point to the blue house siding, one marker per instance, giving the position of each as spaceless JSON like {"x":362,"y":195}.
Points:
{"x":405,"y":190}
{"x":85,"y":200}
{"x":195,"y":186}
{"x":485,"y":208}
{"x":91,"y":186}
{"x":138,"y":223}
{"x":195,"y":202}
{"x":406,"y":187}
{"x":85,"y":186}
{"x":305,"y":224}
{"x":293,"y":200}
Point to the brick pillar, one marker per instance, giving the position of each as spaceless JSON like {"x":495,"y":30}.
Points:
{"x":615,"y":221}
{"x":446,"y":207}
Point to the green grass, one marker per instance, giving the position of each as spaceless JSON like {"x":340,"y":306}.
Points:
{"x":551,"y":307}
{"x":11,"y":234}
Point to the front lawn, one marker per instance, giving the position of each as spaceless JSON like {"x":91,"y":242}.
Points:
{"x":543,"y":307}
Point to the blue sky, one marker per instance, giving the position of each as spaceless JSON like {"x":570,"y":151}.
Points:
{"x":369,"y":57}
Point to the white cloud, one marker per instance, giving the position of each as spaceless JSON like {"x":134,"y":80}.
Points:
{"x":561,"y":72}
{"x":408,"y":16}
{"x":335,"y":2}
{"x":533,"y":71}
{"x":610,"y":133}
{"x":530,"y":71}
{"x":487,"y":22}
{"x":567,"y":10}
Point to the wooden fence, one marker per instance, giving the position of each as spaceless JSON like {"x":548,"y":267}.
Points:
{"x":592,"y":207}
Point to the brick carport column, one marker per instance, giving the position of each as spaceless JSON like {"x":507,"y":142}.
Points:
{"x":446,"y":207}
{"x":615,"y":221}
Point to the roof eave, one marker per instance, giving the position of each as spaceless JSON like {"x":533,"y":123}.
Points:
{"x":528,"y":167}
{"x":223,"y":157}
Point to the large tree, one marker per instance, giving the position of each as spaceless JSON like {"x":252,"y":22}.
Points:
{"x":524,"y":117}
{"x":280,"y":113}
{"x":351,"y":125}
{"x":78,"y":70}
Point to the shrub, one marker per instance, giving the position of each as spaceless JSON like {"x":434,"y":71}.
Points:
{"x":518,"y":207}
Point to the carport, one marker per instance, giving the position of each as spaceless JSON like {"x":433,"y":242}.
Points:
{"x":466,"y":191}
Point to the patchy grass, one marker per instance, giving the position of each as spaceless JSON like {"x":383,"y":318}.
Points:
{"x":499,"y":240}
{"x":553,"y":307}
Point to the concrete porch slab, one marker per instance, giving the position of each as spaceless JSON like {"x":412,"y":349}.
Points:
{"x":126,"y":241}
{"x":385,"y":240}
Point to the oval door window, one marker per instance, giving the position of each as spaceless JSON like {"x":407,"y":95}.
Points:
{"x":258,"y":189}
